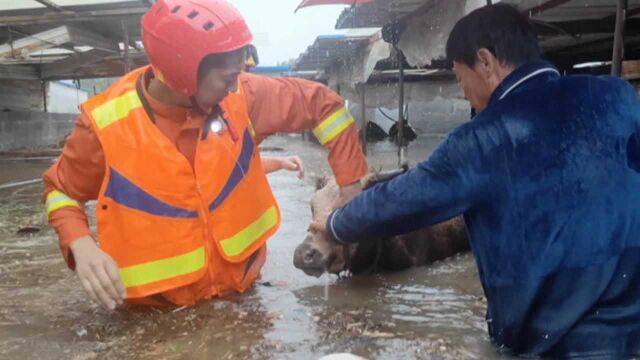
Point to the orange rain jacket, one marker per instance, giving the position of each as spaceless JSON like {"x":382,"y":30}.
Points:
{"x":273,"y":105}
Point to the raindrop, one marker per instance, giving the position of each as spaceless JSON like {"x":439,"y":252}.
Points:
{"x":624,"y":275}
{"x":546,"y":336}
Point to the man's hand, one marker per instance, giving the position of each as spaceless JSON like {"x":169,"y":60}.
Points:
{"x":98,"y":273}
{"x":347,"y":193}
{"x":293,"y":163}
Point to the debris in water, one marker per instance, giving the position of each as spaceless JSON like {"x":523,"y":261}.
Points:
{"x":86,"y":356}
{"x":82,"y":332}
{"x":28,"y":230}
{"x":179,"y":309}
{"x":273,"y":316}
{"x":278,"y":284}
{"x":378,"y":334}
{"x":342,"y":356}
{"x":271,"y":148}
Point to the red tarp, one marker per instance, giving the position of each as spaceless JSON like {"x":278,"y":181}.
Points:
{"x":306,"y":3}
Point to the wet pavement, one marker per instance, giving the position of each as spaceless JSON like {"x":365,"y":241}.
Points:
{"x":434,"y":312}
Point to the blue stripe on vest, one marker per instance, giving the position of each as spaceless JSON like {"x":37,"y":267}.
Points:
{"x":239,"y":171}
{"x":128,"y":194}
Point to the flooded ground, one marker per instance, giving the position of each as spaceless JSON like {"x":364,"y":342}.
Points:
{"x":434,"y":312}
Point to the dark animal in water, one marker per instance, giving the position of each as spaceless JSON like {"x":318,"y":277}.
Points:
{"x":318,"y":253}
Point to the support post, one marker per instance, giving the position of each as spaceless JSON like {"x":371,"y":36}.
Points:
{"x":127,"y":58}
{"x":44,"y":95}
{"x":618,"y":39}
{"x":363,"y":116}
{"x":13,"y":56}
{"x":402,"y":148}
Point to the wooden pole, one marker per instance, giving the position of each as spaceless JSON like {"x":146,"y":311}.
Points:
{"x":44,"y":95}
{"x":127,"y":58}
{"x":11,"y":41}
{"x":402,"y":149}
{"x":618,"y":38}
{"x":363,"y":116}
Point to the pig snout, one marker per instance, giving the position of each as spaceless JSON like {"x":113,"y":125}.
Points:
{"x":309,"y":259}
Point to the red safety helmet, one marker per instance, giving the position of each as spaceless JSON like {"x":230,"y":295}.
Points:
{"x":178,"y":34}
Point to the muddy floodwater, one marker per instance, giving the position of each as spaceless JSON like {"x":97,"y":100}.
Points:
{"x":434,"y":312}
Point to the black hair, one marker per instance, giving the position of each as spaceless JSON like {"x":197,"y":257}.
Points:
{"x":499,"y":28}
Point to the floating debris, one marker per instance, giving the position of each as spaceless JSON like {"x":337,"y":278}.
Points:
{"x":271,"y":149}
{"x":378,"y":334}
{"x":28,"y":230}
{"x":82,"y":332}
{"x":342,"y":356}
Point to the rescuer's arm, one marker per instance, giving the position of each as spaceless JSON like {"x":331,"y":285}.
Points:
{"x":72,"y":180}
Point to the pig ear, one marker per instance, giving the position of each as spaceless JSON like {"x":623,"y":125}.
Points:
{"x":321,"y":181}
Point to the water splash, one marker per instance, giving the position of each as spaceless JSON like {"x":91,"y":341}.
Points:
{"x":326,"y":286}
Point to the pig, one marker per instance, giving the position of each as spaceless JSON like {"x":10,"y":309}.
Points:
{"x":318,"y":254}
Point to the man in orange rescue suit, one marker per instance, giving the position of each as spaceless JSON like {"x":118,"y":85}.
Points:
{"x":170,"y":153}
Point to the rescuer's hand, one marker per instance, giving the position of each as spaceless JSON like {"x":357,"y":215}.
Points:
{"x":98,"y":273}
{"x":347,"y":193}
{"x":293,"y":163}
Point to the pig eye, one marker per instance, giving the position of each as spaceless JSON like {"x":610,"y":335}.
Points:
{"x":312,"y":212}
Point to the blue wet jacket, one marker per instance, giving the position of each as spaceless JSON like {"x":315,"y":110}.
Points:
{"x":547,"y":178}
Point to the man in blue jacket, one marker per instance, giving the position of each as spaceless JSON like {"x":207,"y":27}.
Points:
{"x":547,"y":178}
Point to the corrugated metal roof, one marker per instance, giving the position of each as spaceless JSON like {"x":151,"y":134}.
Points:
{"x":567,"y":26}
{"x":90,"y":32}
{"x":567,"y":10}
{"x":328,"y":49}
{"x":32,"y":4}
{"x":381,"y":12}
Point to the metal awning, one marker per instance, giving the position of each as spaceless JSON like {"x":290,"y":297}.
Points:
{"x":307,"y":3}
{"x":328,"y":49}
{"x":381,"y":12}
{"x":61,"y":39}
{"x":572,"y":31}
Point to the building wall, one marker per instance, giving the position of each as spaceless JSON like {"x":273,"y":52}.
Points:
{"x":31,"y":129}
{"x":22,"y":95}
{"x":64,"y":97}
{"x":434,"y":108}
{"x":96,"y":86}
{"x":27,"y":95}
